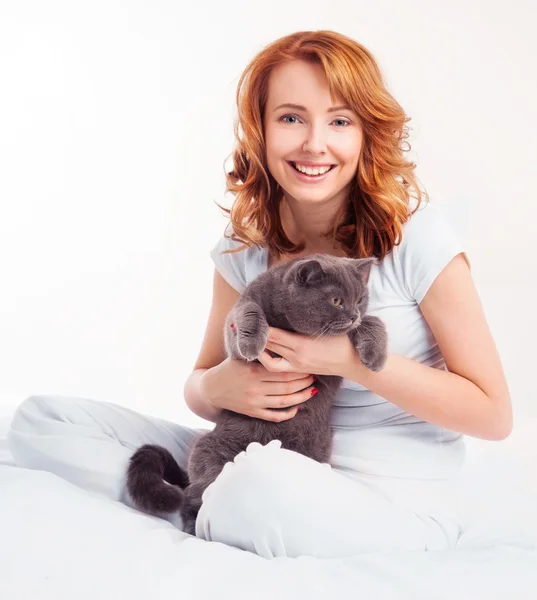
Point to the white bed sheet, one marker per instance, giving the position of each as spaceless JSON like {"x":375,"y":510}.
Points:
{"x":59,"y":541}
{"x":5,"y":456}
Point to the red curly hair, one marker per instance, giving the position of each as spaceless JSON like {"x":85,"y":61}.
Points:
{"x":370,"y":224}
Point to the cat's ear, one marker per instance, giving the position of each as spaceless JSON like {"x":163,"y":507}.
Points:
{"x":362,"y":267}
{"x":307,"y":273}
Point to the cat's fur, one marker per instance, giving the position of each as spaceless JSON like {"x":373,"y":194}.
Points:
{"x":295,"y":296}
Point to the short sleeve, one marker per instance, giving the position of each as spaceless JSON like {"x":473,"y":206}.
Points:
{"x":232,"y":267}
{"x":428,"y":244}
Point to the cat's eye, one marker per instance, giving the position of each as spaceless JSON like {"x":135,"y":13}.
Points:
{"x":336,"y":301}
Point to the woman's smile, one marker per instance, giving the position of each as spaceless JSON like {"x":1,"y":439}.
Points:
{"x":318,"y":175}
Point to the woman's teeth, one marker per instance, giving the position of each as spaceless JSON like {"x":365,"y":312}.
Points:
{"x":311,"y":170}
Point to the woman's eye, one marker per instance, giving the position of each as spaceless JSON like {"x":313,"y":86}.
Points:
{"x":288,"y":117}
{"x":344,"y":121}
{"x":336,"y":301}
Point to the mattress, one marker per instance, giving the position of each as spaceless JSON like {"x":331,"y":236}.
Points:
{"x":61,"y":542}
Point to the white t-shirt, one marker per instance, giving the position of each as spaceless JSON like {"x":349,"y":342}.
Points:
{"x":396,"y":287}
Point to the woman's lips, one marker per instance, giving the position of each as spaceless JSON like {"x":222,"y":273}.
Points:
{"x":310,"y":178}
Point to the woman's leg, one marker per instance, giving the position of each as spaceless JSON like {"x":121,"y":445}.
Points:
{"x":276,"y":503}
{"x":89,"y":443}
{"x":269,"y":500}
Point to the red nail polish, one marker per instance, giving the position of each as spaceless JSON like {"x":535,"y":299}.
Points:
{"x":313,"y":391}
{"x":232,"y":326}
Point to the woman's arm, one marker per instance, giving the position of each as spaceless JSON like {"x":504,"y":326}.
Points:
{"x":195,"y":397}
{"x":472,"y":397}
{"x":212,"y":352}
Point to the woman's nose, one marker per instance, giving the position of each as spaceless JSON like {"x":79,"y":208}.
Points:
{"x":316,"y":140}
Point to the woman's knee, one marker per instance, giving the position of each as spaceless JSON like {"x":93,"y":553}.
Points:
{"x":257,"y":478}
{"x":37,"y":416}
{"x":40,"y":408}
{"x":31,"y":410}
{"x":253,"y":496}
{"x":26,"y":425}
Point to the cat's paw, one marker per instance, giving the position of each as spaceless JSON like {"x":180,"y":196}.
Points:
{"x":250,"y":346}
{"x":371,"y":342}
{"x":247,"y":334}
{"x":373,"y":358}
{"x":189,"y":526}
{"x":190,"y":508}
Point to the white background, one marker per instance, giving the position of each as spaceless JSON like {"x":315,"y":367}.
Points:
{"x":116,"y":119}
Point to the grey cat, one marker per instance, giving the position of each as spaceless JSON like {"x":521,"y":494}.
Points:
{"x":320,"y":295}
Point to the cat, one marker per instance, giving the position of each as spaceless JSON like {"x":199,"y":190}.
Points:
{"x":318,"y":295}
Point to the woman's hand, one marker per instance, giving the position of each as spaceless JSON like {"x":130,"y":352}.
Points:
{"x":302,"y":353}
{"x":249,"y":389}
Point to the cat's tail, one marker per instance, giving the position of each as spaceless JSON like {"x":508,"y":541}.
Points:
{"x":155,"y":481}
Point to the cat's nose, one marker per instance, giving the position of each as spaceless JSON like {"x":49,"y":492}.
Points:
{"x":357,"y":320}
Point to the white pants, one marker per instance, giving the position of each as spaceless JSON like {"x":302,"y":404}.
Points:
{"x":269,"y":500}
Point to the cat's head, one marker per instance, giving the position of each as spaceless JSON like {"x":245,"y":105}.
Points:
{"x":325,"y":295}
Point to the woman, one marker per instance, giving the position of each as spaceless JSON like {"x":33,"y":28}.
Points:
{"x":318,"y":167}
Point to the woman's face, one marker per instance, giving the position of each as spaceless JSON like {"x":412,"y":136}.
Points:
{"x":314,"y":134}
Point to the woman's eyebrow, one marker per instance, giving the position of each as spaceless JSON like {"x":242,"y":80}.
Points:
{"x":300,"y":107}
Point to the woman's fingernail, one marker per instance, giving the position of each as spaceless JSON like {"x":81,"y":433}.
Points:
{"x":313,"y":391}
{"x":232,"y":325}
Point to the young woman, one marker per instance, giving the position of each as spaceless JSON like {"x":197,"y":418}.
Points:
{"x":319,"y":166}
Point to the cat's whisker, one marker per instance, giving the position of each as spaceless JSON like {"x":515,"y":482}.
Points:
{"x":322,"y":330}
{"x":317,"y":334}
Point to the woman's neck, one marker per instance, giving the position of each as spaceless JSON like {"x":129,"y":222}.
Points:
{"x":307,"y":224}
